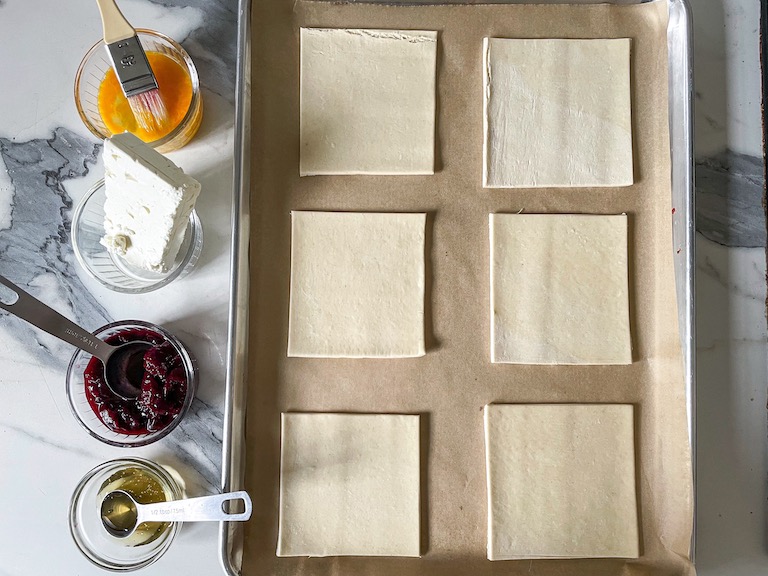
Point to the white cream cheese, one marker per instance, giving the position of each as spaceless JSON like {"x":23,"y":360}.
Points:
{"x":148,"y":203}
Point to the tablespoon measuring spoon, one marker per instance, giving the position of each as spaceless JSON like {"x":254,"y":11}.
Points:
{"x":121,"y":514}
{"x":123,"y":365}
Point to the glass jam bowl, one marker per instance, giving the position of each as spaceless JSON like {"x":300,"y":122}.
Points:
{"x":96,"y":65}
{"x":168,"y":380}
{"x":146,"y":481}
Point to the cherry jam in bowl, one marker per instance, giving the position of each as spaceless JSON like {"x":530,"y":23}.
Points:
{"x":166,"y":375}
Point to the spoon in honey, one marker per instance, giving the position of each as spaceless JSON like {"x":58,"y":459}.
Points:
{"x":123,"y":364}
{"x":121,"y":513}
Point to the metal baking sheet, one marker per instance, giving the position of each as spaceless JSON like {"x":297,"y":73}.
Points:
{"x":681,"y":145}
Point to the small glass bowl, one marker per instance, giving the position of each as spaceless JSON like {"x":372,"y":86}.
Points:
{"x":94,"y":541}
{"x":111,"y":270}
{"x":94,"y":66}
{"x":82,"y":410}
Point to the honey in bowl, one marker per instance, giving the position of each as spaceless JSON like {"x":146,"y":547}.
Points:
{"x":174,"y":85}
{"x":145,"y":488}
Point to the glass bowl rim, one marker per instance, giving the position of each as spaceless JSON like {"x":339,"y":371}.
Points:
{"x":193,"y":76}
{"x":135,"y":461}
{"x":190,"y":367}
{"x":195,"y":239}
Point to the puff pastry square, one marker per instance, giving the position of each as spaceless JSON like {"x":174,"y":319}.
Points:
{"x":557,"y":113}
{"x":349,"y":485}
{"x":561,"y":481}
{"x":367,"y":101}
{"x":559,"y":289}
{"x":357,"y":285}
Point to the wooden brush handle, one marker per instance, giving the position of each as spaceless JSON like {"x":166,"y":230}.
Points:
{"x":116,"y":27}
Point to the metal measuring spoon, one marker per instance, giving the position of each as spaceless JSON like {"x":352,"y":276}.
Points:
{"x":121,"y":514}
{"x":123,"y":365}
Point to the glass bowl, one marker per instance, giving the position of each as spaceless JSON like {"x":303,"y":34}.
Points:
{"x":87,"y":417}
{"x":94,"y":66}
{"x":111,"y":270}
{"x":104,"y":550}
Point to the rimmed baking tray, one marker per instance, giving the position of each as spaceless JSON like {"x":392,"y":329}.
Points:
{"x":679,"y":44}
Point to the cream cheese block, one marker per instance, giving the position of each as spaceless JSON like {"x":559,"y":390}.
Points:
{"x":148,"y":202}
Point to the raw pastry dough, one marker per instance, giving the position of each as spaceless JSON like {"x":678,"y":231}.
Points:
{"x":557,"y":113}
{"x":559,"y":289}
{"x":357,"y":285}
{"x":367,"y":101}
{"x":561,"y":481}
{"x":349,"y":485}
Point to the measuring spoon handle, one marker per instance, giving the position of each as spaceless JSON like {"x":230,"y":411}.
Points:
{"x":203,"y":509}
{"x":29,"y":308}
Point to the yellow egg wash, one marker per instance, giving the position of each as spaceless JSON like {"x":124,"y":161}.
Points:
{"x":175,"y":88}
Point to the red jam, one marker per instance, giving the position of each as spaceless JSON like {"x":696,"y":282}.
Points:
{"x":160,"y":377}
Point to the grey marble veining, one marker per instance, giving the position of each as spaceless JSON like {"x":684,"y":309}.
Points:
{"x":213,"y":46}
{"x":48,"y":441}
{"x":35,"y":251}
{"x":41,"y":167}
{"x":197,"y":442}
{"x":729,"y":199}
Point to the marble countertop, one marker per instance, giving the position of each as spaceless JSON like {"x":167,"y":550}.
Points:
{"x":731,"y":291}
{"x":48,"y":160}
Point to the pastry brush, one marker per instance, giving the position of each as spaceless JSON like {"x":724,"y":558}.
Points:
{"x":132,"y":67}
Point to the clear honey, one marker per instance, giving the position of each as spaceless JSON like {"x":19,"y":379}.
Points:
{"x":146,"y":489}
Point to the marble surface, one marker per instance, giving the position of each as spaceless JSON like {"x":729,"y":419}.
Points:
{"x":48,"y":160}
{"x":732,"y":470}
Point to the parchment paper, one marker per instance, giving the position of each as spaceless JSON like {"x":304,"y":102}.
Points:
{"x":451,"y":384}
